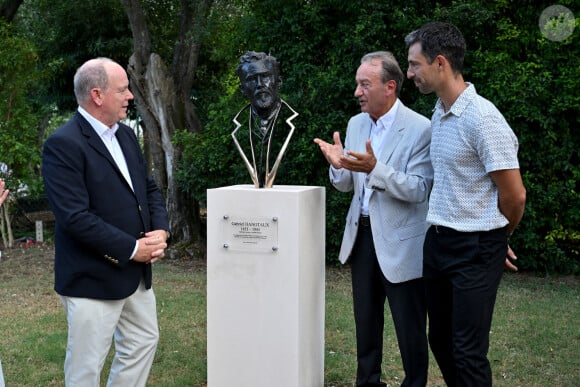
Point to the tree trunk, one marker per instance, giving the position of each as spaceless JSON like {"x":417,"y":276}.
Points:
{"x":2,"y":228}
{"x":164,"y":104}
{"x":8,"y":9}
{"x":6,"y":225}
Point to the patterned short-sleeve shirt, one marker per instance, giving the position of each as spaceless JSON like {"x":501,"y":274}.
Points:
{"x":469,"y":141}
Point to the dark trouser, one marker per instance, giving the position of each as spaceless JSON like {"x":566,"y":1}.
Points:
{"x":462,"y":272}
{"x":407,"y":304}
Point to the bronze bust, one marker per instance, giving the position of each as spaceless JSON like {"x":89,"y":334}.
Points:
{"x":260,"y":82}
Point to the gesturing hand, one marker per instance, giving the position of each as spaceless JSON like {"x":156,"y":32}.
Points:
{"x":332,"y":152}
{"x":360,"y":162}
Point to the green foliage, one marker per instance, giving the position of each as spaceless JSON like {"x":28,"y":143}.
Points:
{"x":319,"y":45}
{"x":66,"y":34}
{"x":532,"y":80}
{"x":18,"y":131}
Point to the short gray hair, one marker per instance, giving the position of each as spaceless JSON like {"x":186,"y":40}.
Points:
{"x":391,"y":69}
{"x":91,"y":74}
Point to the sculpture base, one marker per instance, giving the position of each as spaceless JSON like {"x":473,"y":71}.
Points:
{"x":265,"y":286}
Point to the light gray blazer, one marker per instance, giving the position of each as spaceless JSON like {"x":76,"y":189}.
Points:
{"x":400,"y":183}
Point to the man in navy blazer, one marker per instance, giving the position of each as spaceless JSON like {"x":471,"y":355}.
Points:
{"x":385,"y":161}
{"x":111,"y":225}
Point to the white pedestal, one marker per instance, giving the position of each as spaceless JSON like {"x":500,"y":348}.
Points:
{"x":265,"y":286}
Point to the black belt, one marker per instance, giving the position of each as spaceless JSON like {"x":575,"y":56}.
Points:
{"x":448,"y":230}
{"x":364,"y":220}
{"x":444,"y":230}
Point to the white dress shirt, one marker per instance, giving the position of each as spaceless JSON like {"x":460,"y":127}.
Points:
{"x":379,"y":130}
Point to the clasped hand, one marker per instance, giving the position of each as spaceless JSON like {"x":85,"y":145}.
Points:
{"x":353,"y":161}
{"x":151,"y":247}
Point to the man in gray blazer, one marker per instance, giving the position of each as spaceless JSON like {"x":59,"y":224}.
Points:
{"x":385,"y":161}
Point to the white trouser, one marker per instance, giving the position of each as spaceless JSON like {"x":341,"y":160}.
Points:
{"x":92,"y":324}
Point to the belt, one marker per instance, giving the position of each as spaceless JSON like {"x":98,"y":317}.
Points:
{"x":444,"y":230}
{"x":364,"y":220}
{"x":448,"y":230}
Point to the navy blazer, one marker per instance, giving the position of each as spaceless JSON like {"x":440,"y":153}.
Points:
{"x":98,"y":216}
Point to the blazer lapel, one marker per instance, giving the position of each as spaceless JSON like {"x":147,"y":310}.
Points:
{"x":131,"y":158}
{"x":364,"y":135}
{"x":95,"y":141}
{"x":97,"y":144}
{"x":394,"y":135}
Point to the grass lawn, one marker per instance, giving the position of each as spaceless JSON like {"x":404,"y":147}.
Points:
{"x":535,"y":338}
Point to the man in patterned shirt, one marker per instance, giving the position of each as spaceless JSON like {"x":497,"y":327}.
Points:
{"x":477,"y":201}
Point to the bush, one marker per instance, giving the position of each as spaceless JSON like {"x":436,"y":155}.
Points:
{"x":532,"y":80}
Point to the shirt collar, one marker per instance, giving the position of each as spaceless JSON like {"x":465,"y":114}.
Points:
{"x":461,"y":102}
{"x":386,"y":120}
{"x":101,"y":129}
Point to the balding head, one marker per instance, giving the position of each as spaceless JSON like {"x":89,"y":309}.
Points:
{"x":93,"y":73}
{"x":101,"y":87}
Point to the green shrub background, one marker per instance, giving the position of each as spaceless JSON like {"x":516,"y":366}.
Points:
{"x":532,"y":80}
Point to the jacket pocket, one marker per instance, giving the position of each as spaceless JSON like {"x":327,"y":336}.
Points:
{"x":412,"y":230}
